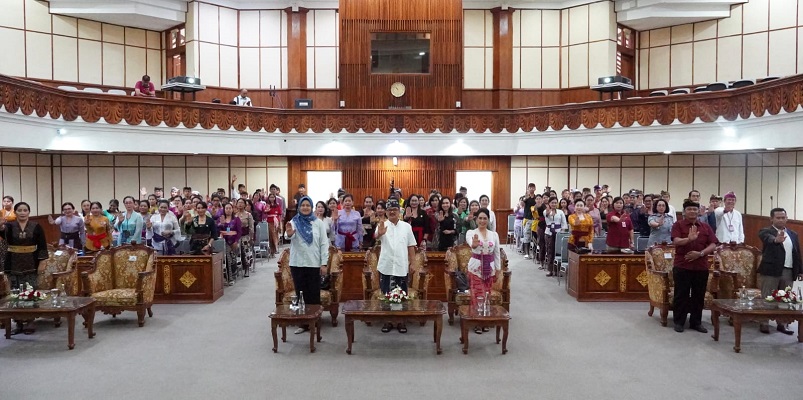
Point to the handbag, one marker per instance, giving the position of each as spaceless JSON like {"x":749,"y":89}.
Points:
{"x":326,"y":282}
{"x":462,"y":281}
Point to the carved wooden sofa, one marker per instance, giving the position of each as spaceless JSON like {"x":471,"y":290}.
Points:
{"x":660,"y":283}
{"x":122,"y":279}
{"x":330,"y":299}
{"x":418,"y":277}
{"x":457,"y":259}
{"x":738,"y":264}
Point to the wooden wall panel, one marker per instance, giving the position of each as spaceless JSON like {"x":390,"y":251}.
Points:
{"x":371,"y":176}
{"x":438,"y":89}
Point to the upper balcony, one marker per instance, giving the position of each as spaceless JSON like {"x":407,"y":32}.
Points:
{"x":756,"y":117}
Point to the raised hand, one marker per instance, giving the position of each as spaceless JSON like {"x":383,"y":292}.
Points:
{"x":50,"y":220}
{"x":143,"y":191}
{"x":439,"y":216}
{"x":288,"y":229}
{"x":781,"y":237}
{"x":693,"y":233}
{"x":149,"y":224}
{"x":381,"y":229}
{"x":475,"y":241}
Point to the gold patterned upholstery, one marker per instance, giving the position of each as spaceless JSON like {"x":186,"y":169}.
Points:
{"x":457,"y":258}
{"x":59,"y":269}
{"x":122,"y":279}
{"x":418,"y":276}
{"x":659,"y":259}
{"x":5,"y":285}
{"x":739,"y":264}
{"x":330,"y":299}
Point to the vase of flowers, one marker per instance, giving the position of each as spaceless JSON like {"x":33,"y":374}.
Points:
{"x":784,"y":297}
{"x":395,"y":298}
{"x":28,"y":298}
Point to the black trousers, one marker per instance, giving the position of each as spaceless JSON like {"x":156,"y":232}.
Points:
{"x":388,"y":282}
{"x":307,"y":280}
{"x":689,"y":296}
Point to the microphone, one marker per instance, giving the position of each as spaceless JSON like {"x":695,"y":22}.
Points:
{"x":771,"y":206}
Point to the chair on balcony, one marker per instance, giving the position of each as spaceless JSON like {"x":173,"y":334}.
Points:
{"x":659,"y":260}
{"x":122,"y":279}
{"x":742,"y":83}
{"x":658,"y":93}
{"x":457,"y":260}
{"x":739,"y":265}
{"x":330,"y":298}
{"x":681,"y":91}
{"x":699,"y":89}
{"x":93,"y":90}
{"x":69,"y":88}
{"x":717,"y":86}
{"x":117,"y":92}
{"x":418,"y":278}
{"x":768,"y":79}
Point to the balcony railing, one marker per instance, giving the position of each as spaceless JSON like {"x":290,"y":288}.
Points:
{"x":754,"y":101}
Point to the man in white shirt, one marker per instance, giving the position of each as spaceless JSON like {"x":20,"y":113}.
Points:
{"x":398,"y":250}
{"x":729,"y":221}
{"x":243,"y":99}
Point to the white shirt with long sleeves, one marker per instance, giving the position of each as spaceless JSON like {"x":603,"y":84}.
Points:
{"x":729,"y":226}
{"x":393,"y":259}
{"x":311,"y":255}
{"x":158,"y":226}
{"x":556,"y":218}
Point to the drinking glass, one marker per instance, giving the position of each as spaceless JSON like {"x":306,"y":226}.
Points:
{"x":294,"y":302}
{"x":480,"y":304}
{"x":54,"y":297}
{"x":750,"y":297}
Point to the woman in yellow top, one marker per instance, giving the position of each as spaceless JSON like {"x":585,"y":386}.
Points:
{"x":7,"y":211}
{"x":98,"y":229}
{"x":581,"y":226}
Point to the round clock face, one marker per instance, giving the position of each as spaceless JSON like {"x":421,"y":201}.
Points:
{"x":397,"y":89}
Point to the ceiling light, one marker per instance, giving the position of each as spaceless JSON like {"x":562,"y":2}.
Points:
{"x":110,"y":151}
{"x":396,"y":141}
{"x":770,"y":148}
{"x":422,"y":53}
{"x":729,"y":132}
{"x":61,"y":131}
{"x":667,"y":152}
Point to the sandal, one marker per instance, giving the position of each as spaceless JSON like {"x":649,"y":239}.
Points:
{"x":401,"y":328}
{"x":301,"y":330}
{"x":478,"y":330}
{"x":486,"y":329}
{"x":386,"y":328}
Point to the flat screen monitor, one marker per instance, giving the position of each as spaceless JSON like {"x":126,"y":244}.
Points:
{"x":400,"y":52}
{"x":303,"y":103}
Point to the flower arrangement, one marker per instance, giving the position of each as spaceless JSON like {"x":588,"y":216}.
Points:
{"x":29,"y":294}
{"x":396,"y":296}
{"x":784,"y":296}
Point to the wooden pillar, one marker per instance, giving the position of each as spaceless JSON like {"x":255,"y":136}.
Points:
{"x":503,"y":57}
{"x":296,"y":48}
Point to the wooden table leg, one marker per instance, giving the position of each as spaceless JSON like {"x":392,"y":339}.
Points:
{"x":349,"y":333}
{"x":799,"y":331}
{"x":312,"y":329}
{"x":273,"y":324}
{"x":89,"y":320}
{"x":284,"y":333}
{"x":319,"y":329}
{"x":464,"y":335}
{"x":57,"y":322}
{"x":504,"y":336}
{"x":715,"y":320}
{"x":71,"y":330}
{"x":737,"y":332}
{"x":438,"y":331}
{"x":498,"y":328}
{"x":7,"y":323}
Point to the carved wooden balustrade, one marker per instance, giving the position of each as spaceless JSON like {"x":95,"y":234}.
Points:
{"x":759,"y":100}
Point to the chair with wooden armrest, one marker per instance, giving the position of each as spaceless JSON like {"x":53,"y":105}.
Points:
{"x":738,"y":264}
{"x":122,"y":279}
{"x":659,"y":260}
{"x":61,"y":269}
{"x":418,"y":278}
{"x":330,"y":298}
{"x":457,"y":260}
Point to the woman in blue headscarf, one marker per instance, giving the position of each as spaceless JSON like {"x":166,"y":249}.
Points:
{"x":309,"y":252}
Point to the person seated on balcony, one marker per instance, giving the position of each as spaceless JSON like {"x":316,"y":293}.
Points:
{"x":242,"y":99}
{"x":145,"y":88}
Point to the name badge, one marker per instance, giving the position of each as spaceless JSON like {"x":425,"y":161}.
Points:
{"x":624,"y":224}
{"x":730,"y":228}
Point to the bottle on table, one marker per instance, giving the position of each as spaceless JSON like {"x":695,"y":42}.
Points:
{"x":486,"y":306}
{"x":301,"y":303}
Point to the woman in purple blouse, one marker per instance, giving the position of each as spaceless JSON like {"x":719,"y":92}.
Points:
{"x":230,"y":228}
{"x":347,"y":225}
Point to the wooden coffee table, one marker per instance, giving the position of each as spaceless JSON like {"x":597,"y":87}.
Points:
{"x":71,"y":307}
{"x":379,"y":311}
{"x":283,"y":316}
{"x":760,"y":311}
{"x":497,"y":318}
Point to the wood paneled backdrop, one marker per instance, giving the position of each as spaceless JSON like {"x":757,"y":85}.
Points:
{"x":364,"y":176}
{"x":438,"y":89}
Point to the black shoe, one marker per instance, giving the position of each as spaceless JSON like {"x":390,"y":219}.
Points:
{"x":699,"y":328}
{"x":678,"y":327}
{"x":387,"y":327}
{"x":764,"y":329}
{"x":785,"y":331}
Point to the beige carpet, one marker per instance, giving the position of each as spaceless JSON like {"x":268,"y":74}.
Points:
{"x":558,"y":348}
